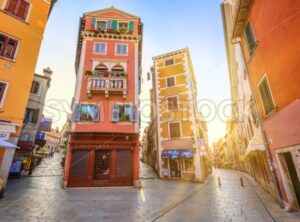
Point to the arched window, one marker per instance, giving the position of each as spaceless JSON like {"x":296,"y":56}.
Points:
{"x":118,"y":71}
{"x":101,"y":70}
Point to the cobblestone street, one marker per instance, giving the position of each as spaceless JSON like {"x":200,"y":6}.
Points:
{"x":41,"y":198}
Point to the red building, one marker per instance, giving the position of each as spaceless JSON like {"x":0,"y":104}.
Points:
{"x":103,"y":145}
{"x":269,"y":34}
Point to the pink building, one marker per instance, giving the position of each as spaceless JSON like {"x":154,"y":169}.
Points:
{"x":103,"y":145}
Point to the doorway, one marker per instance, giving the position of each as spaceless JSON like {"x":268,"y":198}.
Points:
{"x":102,"y":166}
{"x":175,"y":168}
{"x":293,"y":174}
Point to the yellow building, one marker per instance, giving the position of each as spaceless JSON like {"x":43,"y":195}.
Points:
{"x":22,"y":25}
{"x":178,"y":134}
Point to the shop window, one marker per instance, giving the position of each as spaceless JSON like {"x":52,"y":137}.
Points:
{"x":189,"y":164}
{"x":175,"y":130}
{"x":250,"y":38}
{"x":172,"y":103}
{"x":35,"y":87}
{"x":266,"y":96}
{"x":18,"y":8}
{"x":8,"y":46}
{"x":169,"y":62}
{"x":124,"y":113}
{"x":79,"y":163}
{"x":31,"y":115}
{"x":170,"y":81}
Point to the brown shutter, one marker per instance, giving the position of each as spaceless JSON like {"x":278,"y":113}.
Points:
{"x":23,"y":9}
{"x":124,"y":163}
{"x":79,"y":164}
{"x":11,"y":6}
{"x":35,"y":116}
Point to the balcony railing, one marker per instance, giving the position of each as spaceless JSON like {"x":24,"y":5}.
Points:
{"x":107,"y":85}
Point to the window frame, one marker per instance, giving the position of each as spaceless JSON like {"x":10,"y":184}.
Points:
{"x":167,"y":83}
{"x":5,"y":43}
{"x":99,"y":22}
{"x":2,"y":99}
{"x":177,"y":100}
{"x":27,"y":13}
{"x":39,"y":89}
{"x":100,"y":53}
{"x":271,"y":95}
{"x":121,"y":54}
{"x":250,"y":50}
{"x":167,"y":60}
{"x":180,"y":130}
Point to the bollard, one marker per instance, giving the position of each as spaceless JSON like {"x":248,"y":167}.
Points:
{"x":242,"y":182}
{"x":219,"y":181}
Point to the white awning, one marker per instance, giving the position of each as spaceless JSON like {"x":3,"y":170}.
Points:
{"x":5,"y":144}
{"x":255,"y":144}
{"x":8,"y":127}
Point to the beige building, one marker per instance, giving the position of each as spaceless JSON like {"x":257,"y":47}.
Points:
{"x":175,"y":115}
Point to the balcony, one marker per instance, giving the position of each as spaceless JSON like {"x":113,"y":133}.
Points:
{"x":107,"y":86}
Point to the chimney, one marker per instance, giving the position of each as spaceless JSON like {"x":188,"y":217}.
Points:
{"x":47,"y":72}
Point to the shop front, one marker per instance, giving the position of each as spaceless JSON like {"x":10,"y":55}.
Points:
{"x":178,"y":164}
{"x":102,"y":163}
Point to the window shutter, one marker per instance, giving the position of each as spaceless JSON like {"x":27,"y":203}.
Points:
{"x":94,"y":23}
{"x":115,"y":113}
{"x":11,"y":6}
{"x":131,"y":25}
{"x":96,"y":116}
{"x":23,"y":9}
{"x":109,"y":24}
{"x":114,"y":25}
{"x":134,"y":113}
{"x":76,"y":113}
{"x":35,"y":116}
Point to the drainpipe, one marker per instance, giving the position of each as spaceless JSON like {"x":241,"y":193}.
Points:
{"x":264,"y":137}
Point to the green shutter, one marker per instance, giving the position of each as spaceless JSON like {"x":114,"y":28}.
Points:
{"x":131,"y":26}
{"x":114,"y":24}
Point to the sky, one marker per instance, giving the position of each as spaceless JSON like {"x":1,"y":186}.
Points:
{"x":168,"y":26}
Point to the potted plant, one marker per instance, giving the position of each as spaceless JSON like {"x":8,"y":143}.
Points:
{"x":106,"y":74}
{"x":88,"y":73}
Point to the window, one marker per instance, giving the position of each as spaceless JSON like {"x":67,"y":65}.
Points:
{"x":172,"y":103}
{"x":101,"y":70}
{"x":174,"y":130}
{"x":18,"y":8}
{"x":266,"y":96}
{"x":169,"y":62}
{"x":100,"y":48}
{"x":124,"y":113}
{"x":8,"y":46}
{"x":35,"y":87}
{"x":189,"y":164}
{"x":170,"y":81}
{"x":148,"y":76}
{"x":3,"y":90}
{"x":253,"y":111}
{"x":31,"y":115}
{"x":250,"y":38}
{"x":122,"y":49}
{"x":88,"y":112}
{"x":101,"y":25}
{"x":123,"y":25}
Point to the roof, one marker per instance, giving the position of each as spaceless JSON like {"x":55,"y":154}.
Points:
{"x":97,"y":12}
{"x":170,"y":54}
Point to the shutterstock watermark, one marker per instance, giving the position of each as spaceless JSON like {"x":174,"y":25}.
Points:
{"x":170,"y":109}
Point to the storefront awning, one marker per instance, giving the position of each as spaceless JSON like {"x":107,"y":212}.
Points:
{"x":25,"y":145}
{"x":173,"y":154}
{"x":255,"y":144}
{"x":5,"y":144}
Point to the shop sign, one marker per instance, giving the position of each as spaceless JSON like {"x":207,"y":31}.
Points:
{"x":4,"y":135}
{"x":40,"y":135}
